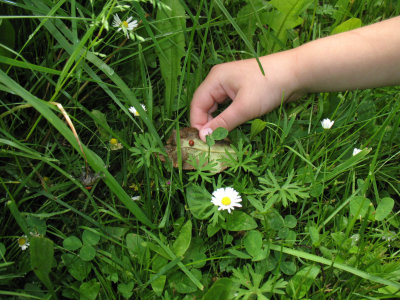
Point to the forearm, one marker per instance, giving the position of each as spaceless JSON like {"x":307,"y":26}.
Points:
{"x":363,"y":58}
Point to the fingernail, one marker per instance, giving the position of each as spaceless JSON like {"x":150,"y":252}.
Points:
{"x":204,"y":132}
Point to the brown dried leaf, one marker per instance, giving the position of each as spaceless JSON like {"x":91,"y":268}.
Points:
{"x":192,"y":145}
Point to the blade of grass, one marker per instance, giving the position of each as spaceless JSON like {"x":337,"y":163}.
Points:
{"x":94,"y":160}
{"x":336,"y":265}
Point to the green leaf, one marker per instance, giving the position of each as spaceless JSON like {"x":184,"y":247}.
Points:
{"x":78,"y":268}
{"x":253,"y":242}
{"x":182,"y":242}
{"x":314,"y":235}
{"x":87,"y":253}
{"x":288,"y":267}
{"x":350,"y":24}
{"x":72,"y":243}
{"x":42,"y":255}
{"x":158,"y":284}
{"x":2,"y":250}
{"x":90,"y":238}
{"x":301,"y":283}
{"x":239,"y":254}
{"x":238,"y":221}
{"x":7,"y":38}
{"x":385,"y":207}
{"x":290,"y":221}
{"x":359,"y":206}
{"x":89,"y":290}
{"x":257,"y":126}
{"x":220,"y":133}
{"x":171,"y":22}
{"x":126,"y":289}
{"x":182,"y":283}
{"x":138,"y":248}
{"x":199,"y":201}
{"x":221,"y":290}
{"x":101,"y":122}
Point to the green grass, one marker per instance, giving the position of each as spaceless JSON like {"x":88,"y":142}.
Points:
{"x":316,"y":222}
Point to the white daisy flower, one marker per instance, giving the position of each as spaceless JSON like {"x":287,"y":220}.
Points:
{"x":135,"y":112}
{"x":23,"y":242}
{"x":226,"y":198}
{"x":125,"y":26}
{"x":327,"y":124}
{"x":356,"y":151}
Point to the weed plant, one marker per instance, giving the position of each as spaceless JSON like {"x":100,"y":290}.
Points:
{"x":90,"y":210}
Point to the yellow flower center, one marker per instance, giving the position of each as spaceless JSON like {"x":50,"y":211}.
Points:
{"x":113,"y":141}
{"x":125,"y":24}
{"x":21,"y":241}
{"x":226,"y":201}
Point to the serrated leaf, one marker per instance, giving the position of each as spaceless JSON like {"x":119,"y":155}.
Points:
{"x":384,"y":208}
{"x":192,"y":146}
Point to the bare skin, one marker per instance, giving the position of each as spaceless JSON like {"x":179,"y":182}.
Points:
{"x":367,"y":57}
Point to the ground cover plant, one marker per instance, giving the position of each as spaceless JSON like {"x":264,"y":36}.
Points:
{"x":95,"y":206}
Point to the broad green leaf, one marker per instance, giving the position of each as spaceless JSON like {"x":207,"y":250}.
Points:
{"x":42,"y":255}
{"x":182,"y":242}
{"x":253,"y":242}
{"x":7,"y":38}
{"x":301,"y":283}
{"x":350,"y":24}
{"x":138,"y":248}
{"x":171,"y":23}
{"x":286,"y":17}
{"x":219,"y":133}
{"x":183,"y":285}
{"x":90,"y":238}
{"x":384,"y":208}
{"x":89,"y":290}
{"x":220,"y":290}
{"x":78,"y":268}
{"x":126,"y":289}
{"x":192,"y":146}
{"x":359,"y":206}
{"x":199,"y":201}
{"x":257,"y":126}
{"x":288,"y":267}
{"x":238,"y":221}
{"x":87,"y":253}
{"x":72,"y":243}
{"x":158,"y":284}
{"x":290,"y":221}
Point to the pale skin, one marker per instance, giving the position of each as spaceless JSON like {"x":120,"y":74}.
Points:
{"x":366,"y":57}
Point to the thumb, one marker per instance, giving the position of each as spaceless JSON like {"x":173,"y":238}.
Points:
{"x":231,"y":117}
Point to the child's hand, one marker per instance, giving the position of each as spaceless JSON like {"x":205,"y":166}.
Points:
{"x":252,"y":93}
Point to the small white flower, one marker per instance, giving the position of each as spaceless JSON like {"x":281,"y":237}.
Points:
{"x":125,"y":26}
{"x":327,"y":124}
{"x":135,"y":112}
{"x":23,"y":242}
{"x":226,"y":198}
{"x":356,"y":151}
{"x":135,"y":198}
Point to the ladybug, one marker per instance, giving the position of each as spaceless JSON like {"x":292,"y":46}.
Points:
{"x":191,"y":143}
